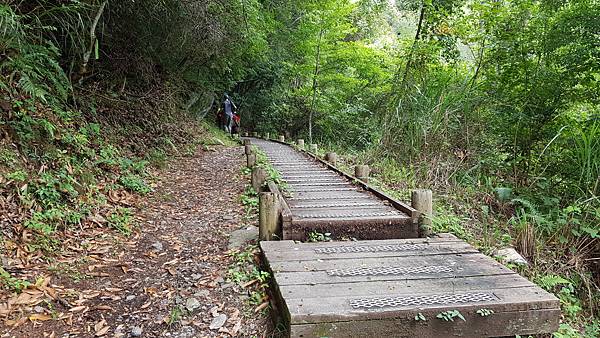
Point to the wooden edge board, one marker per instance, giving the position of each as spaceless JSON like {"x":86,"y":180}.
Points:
{"x":502,"y":324}
{"x":442,"y":238}
{"x":309,"y":256}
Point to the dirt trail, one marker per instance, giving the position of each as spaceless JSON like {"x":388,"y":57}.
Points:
{"x":174,"y":270}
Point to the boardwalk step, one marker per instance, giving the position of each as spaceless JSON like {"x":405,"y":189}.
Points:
{"x":377,"y":288}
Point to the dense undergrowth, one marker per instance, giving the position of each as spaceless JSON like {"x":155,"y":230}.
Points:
{"x":77,"y":150}
{"x":558,"y":241}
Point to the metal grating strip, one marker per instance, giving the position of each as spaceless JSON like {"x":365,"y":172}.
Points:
{"x":334,"y":205}
{"x":358,"y":214}
{"x":372,"y":248}
{"x":443,"y":299}
{"x":393,"y":270}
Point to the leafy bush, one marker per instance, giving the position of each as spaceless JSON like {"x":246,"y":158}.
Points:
{"x":134,"y":183}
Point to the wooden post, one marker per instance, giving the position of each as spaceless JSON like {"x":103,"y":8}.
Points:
{"x":331,"y":158}
{"x":251,"y":160}
{"x":259,"y":175}
{"x":247,"y":142}
{"x":281,"y":138}
{"x":268,"y":215}
{"x":267,"y":136}
{"x":254,"y":134}
{"x":362,"y":172}
{"x":248,"y":149}
{"x":422,"y":200}
{"x":300,"y":143}
{"x":313,"y":148}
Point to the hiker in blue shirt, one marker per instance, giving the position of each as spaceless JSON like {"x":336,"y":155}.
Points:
{"x":230,"y":109}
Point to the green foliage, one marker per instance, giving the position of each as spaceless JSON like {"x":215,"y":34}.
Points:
{"x":565,"y":290}
{"x":121,"y":220}
{"x":315,"y":236}
{"x":420,"y":317}
{"x":135,"y":183}
{"x":249,"y":200}
{"x":485,"y":312}
{"x":19,"y":176}
{"x":445,"y":220}
{"x":449,"y":315}
{"x":11,"y":283}
{"x":175,"y":315}
{"x":244,"y":272}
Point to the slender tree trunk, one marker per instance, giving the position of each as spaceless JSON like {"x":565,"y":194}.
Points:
{"x":414,"y":45}
{"x":88,"y":53}
{"x":314,"y":86}
{"x":479,"y":64}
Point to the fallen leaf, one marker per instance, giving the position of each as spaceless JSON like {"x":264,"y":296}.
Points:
{"x":261,"y":307}
{"x":78,"y":308}
{"x":102,"y":331}
{"x":39,"y":317}
{"x":99,"y":325}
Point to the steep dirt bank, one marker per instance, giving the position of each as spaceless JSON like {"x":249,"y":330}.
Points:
{"x":168,"y":279}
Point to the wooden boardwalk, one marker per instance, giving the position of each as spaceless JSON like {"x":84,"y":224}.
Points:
{"x":326,"y":201}
{"x":379,"y":288}
{"x":392,"y":284}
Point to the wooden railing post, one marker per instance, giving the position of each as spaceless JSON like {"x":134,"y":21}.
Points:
{"x":422,"y":201}
{"x":362,"y":172}
{"x":268,"y":215}
{"x":267,"y":136}
{"x":259,"y":175}
{"x":248,"y":149}
{"x":281,"y":138}
{"x":331,"y":158}
{"x":300,"y":143}
{"x":251,"y":160}
{"x":313,"y":148}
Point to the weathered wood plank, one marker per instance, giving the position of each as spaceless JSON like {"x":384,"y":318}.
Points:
{"x":499,"y":324}
{"x":449,"y":261}
{"x":308,"y":255}
{"x":407,"y":286}
{"x":335,"y":309}
{"x":322,"y":277}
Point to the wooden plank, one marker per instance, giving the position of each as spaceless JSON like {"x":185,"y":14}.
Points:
{"x":382,"y":288}
{"x":329,"y":195}
{"x":453,"y":261}
{"x":342,"y":212}
{"x":312,"y":209}
{"x":438,"y":239}
{"x":309,"y":255}
{"x":509,"y":323}
{"x":322,"y":277}
{"x":334,"y":309}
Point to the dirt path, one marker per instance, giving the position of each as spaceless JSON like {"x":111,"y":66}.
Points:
{"x":170,"y":278}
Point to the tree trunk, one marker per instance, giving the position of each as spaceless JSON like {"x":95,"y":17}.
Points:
{"x":414,"y":45}
{"x":88,"y":53}
{"x":314,"y":86}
